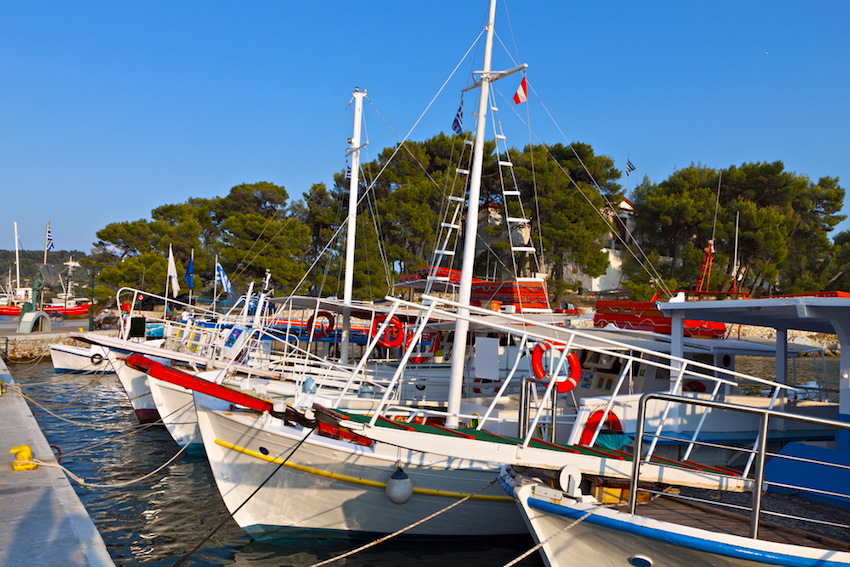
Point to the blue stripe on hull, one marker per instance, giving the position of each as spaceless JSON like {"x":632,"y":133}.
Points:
{"x":690,"y":542}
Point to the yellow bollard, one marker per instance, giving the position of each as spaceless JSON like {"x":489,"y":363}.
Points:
{"x":22,"y":453}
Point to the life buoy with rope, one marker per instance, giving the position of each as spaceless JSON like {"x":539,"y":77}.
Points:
{"x":424,"y":356}
{"x":393,"y":335}
{"x":324,"y":330}
{"x":96,"y":358}
{"x":572,"y":378}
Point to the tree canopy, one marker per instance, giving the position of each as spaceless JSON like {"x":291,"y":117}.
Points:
{"x":783,"y":224}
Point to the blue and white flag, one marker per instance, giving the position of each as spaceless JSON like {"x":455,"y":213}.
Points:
{"x":348,"y":172}
{"x":629,"y":167}
{"x":49,"y":246}
{"x":457,"y":125}
{"x":189,"y":271}
{"x":221,"y":277}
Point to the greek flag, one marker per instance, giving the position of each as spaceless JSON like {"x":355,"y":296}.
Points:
{"x":457,"y":125}
{"x":348,"y":172}
{"x":49,"y":240}
{"x":629,"y":167}
{"x":221,"y":277}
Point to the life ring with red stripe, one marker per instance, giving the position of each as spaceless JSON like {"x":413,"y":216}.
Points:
{"x":572,"y":378}
{"x":424,"y":356}
{"x":693,"y":386}
{"x":393,"y":335}
{"x":323,"y":330}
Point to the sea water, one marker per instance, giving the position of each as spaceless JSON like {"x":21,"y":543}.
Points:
{"x":160,"y":517}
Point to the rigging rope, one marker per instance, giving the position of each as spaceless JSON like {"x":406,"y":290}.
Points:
{"x":647,"y":266}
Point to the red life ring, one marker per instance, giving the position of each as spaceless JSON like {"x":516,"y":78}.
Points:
{"x":424,"y":356}
{"x":693,"y":386}
{"x":394,"y":334}
{"x":141,"y":297}
{"x":485,"y":384}
{"x":324,"y":330}
{"x":572,"y":379}
{"x":612,"y":423}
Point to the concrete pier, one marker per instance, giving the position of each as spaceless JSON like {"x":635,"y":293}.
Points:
{"x":44,"y":523}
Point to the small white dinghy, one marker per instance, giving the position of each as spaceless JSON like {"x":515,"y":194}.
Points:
{"x":67,"y":358}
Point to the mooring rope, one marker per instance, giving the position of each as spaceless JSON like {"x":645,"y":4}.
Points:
{"x":134,"y":431}
{"x":401,"y":531}
{"x":556,"y":534}
{"x":118,"y":484}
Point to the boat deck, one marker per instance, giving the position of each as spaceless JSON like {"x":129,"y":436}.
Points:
{"x":708,"y":517}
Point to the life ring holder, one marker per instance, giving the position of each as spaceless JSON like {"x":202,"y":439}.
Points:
{"x":388,"y":340}
{"x":96,"y":358}
{"x":324,"y":330}
{"x":434,"y":337}
{"x":573,"y":377}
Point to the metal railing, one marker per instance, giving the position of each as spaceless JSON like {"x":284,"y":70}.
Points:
{"x":759,"y":451}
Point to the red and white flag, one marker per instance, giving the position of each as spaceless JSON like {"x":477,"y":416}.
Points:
{"x":521,"y":93}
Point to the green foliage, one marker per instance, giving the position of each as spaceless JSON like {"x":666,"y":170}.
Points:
{"x":783,"y":226}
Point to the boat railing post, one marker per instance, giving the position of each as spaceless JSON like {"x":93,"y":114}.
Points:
{"x":758,"y":481}
{"x":638,"y":447}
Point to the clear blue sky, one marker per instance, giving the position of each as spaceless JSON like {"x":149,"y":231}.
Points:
{"x":110,"y":109}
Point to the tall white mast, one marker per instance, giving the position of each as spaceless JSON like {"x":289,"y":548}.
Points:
{"x":353,"y":187}
{"x":17,"y":259}
{"x":465,"y":286}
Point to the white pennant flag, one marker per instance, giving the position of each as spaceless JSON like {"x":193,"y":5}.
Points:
{"x":172,"y":274}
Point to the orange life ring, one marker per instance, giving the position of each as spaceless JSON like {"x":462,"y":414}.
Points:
{"x":425,"y":356}
{"x":393,"y":335}
{"x":563,"y":386}
{"x":324,"y":330}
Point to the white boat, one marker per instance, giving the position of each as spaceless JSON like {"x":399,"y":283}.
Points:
{"x":652,"y":525}
{"x":69,"y":358}
{"x":333,"y":475}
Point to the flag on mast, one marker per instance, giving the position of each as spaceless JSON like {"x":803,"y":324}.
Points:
{"x":189,"y":271}
{"x":221,"y":277}
{"x":171,"y":274}
{"x":521,"y":93}
{"x":629,"y":167}
{"x":49,"y":245}
{"x":457,"y":125}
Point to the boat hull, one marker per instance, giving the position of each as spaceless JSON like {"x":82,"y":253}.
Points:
{"x":335,"y":487}
{"x":136,"y":386}
{"x":68,"y":358}
{"x":609,"y":537}
{"x":176,"y":406}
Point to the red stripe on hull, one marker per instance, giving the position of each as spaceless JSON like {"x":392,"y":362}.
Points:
{"x":186,"y":380}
